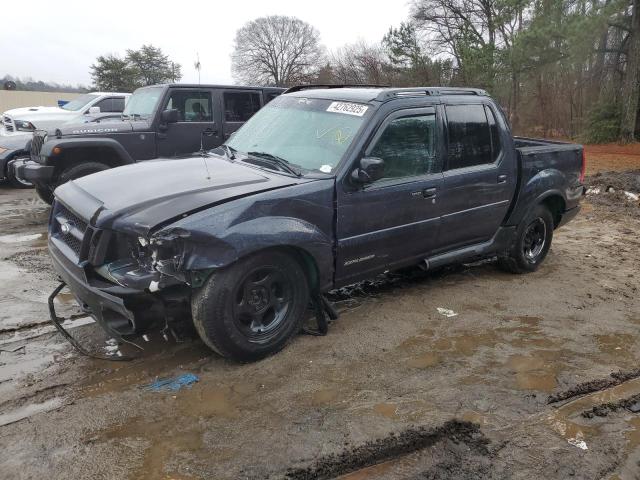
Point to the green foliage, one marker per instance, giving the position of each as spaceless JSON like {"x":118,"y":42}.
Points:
{"x":146,"y":66}
{"x":603,"y":123}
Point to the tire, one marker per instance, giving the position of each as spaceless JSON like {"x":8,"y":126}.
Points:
{"x":79,"y":170}
{"x":72,"y":172}
{"x":253,"y":308}
{"x":14,"y":181}
{"x":45,"y":193}
{"x":532,"y":242}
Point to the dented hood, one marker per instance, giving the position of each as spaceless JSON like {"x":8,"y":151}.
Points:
{"x":136,"y":198}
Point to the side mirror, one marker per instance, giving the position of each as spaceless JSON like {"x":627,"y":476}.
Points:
{"x":93,"y":110}
{"x":169,"y":116}
{"x":370,"y":170}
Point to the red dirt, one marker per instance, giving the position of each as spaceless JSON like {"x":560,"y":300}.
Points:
{"x":612,"y":157}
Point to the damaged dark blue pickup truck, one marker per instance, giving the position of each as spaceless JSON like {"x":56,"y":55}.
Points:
{"x":321,"y":188}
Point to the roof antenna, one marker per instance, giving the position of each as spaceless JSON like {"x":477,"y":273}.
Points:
{"x":204,"y":154}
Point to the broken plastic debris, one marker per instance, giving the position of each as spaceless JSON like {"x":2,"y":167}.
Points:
{"x":154,"y":286}
{"x":632,"y":196}
{"x":172,"y":384}
{"x":578,"y":442}
{"x":593,"y":191}
{"x":446,"y":312}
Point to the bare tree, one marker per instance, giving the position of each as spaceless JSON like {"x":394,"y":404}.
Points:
{"x":276,"y":50}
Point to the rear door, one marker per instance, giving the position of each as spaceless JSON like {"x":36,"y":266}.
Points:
{"x":480,"y":176}
{"x":196,"y":124}
{"x":238,"y":107}
{"x":396,"y":218}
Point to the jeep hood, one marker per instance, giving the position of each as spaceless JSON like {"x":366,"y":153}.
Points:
{"x":136,"y":198}
{"x":107,"y":126}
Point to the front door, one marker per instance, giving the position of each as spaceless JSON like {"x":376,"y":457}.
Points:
{"x":196,"y":126}
{"x":395,"y":219}
{"x":480,"y":176}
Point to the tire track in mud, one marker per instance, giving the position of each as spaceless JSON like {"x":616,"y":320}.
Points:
{"x":592,"y":386}
{"x":393,"y":447}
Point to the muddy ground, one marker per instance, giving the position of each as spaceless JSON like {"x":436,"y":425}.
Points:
{"x":396,"y":390}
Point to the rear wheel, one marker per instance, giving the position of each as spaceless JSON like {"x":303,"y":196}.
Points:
{"x":252,"y":308}
{"x":533,"y":240}
{"x":14,"y":181}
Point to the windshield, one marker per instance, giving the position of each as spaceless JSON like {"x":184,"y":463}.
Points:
{"x":79,"y":103}
{"x":143,"y":102}
{"x":307,"y":132}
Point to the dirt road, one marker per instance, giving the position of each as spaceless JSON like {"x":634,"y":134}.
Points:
{"x":398,"y":389}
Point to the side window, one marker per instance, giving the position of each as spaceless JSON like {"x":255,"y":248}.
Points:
{"x":118,"y":104}
{"x":469,"y":136}
{"x":192,"y":106}
{"x":496,"y":147}
{"x":408,"y":146}
{"x":106,"y":105}
{"x":270,"y":96}
{"x":240,"y":106}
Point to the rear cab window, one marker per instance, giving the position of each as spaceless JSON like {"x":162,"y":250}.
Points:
{"x":240,"y":106}
{"x":469,"y":136}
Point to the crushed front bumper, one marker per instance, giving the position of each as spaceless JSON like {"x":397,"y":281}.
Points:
{"x":105,"y":302}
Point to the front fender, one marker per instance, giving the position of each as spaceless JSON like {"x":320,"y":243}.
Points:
{"x":72,"y":143}
{"x":546,"y":183}
{"x":203,"y":251}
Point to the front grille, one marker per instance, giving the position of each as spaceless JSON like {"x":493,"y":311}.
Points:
{"x":68,"y":228}
{"x":8,"y":123}
{"x":39,"y":137}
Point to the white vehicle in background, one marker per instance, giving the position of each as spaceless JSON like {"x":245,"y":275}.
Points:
{"x":24,"y":121}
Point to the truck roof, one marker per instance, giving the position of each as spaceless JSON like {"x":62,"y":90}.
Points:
{"x":369,"y":93}
{"x":109,"y":93}
{"x":208,"y":85}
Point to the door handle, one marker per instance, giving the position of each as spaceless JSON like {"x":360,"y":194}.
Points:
{"x":210,"y":131}
{"x":502,"y":179}
{"x":429,"y":192}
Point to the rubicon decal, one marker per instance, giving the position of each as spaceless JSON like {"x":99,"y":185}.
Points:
{"x":95,"y":130}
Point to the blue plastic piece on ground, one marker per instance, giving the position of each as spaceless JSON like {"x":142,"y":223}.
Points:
{"x":172,"y":384}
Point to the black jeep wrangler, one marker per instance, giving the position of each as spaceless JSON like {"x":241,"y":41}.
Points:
{"x":158,"y":121}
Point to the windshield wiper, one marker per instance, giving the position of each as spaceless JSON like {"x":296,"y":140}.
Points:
{"x":278,"y":162}
{"x":229,"y":151}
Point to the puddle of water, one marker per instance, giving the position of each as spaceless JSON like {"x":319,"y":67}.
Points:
{"x":425,"y":360}
{"x":323,"y":397}
{"x":474,"y":417}
{"x":533,"y":372}
{"x":207,"y":401}
{"x":389,"y":410}
{"x":616,"y":344}
{"x":22,"y":238}
{"x":369,"y":473}
{"x":162,"y":444}
{"x":567,"y":422}
{"x":29,"y":410}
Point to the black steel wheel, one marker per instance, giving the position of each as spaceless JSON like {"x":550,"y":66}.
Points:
{"x":532,"y":242}
{"x":252,"y":308}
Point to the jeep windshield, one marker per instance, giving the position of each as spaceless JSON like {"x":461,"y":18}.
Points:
{"x":309,"y":133}
{"x":142,"y":103}
{"x":79,"y":103}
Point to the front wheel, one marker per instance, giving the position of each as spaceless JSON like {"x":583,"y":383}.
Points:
{"x":252,"y":308}
{"x":532,"y":243}
{"x":45,"y":194}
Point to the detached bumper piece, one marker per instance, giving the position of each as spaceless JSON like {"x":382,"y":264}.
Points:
{"x":57,"y":323}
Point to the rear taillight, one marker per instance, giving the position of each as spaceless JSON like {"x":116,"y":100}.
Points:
{"x":583,"y":169}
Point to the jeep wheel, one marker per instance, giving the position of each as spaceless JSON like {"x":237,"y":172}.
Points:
{"x":252,"y":308}
{"x":14,"y":181}
{"x":80,"y":170}
{"x":45,"y":193}
{"x":532,"y":243}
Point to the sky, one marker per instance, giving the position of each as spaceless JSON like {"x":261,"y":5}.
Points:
{"x":58,"y":41}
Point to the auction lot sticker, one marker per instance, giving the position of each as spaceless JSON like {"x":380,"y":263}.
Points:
{"x":348,"y":108}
